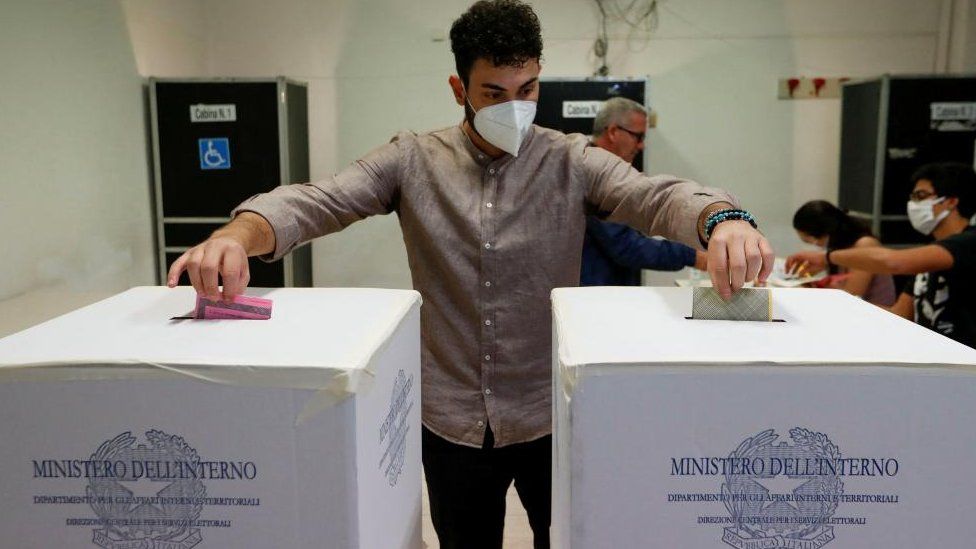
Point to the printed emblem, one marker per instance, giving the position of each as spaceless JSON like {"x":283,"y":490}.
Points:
{"x":148,"y":506}
{"x":775,"y":498}
{"x":393,"y":432}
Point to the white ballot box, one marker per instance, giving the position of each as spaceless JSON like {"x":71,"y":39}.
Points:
{"x":841,"y":426}
{"x":124,"y":429}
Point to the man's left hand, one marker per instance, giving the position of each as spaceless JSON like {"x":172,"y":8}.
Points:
{"x":738,"y":253}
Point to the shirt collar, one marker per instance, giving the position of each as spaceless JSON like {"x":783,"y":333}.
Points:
{"x":483,"y":159}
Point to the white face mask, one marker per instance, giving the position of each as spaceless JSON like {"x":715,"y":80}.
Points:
{"x":506,"y":124}
{"x":922,"y":217}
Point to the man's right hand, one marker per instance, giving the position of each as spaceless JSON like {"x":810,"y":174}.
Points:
{"x":222,"y":256}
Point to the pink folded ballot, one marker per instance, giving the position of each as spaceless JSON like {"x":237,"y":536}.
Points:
{"x":243,"y":307}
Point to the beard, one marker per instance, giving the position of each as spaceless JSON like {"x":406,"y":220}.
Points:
{"x":468,"y":113}
{"x":469,"y":118}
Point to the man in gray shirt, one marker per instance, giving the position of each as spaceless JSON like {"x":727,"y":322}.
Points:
{"x":493,"y":213}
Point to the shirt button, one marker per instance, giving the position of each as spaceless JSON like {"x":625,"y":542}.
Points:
{"x":487,"y":323}
{"x":489,"y":204}
{"x":491,"y":170}
{"x":481,"y":423}
{"x":488,"y":391}
{"x":487,"y":283}
{"x":487,"y":245}
{"x":487,"y":357}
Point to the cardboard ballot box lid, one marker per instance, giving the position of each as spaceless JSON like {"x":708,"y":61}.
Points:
{"x":316,"y":338}
{"x":602,"y":326}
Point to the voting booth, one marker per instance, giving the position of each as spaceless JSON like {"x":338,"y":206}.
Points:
{"x":123,"y":428}
{"x":215,"y":143}
{"x":837,"y":425}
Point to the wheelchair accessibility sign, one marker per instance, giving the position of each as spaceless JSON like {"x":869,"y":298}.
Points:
{"x":214,"y":153}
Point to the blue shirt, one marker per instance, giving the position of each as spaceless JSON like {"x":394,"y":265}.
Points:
{"x":614,"y":254}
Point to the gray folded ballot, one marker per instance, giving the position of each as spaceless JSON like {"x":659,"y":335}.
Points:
{"x":746,"y":304}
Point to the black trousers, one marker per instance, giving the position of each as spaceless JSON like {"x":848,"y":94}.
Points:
{"x":467,"y":488}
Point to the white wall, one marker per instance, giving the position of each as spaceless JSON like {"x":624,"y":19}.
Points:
{"x":74,"y":207}
{"x":962,"y":36}
{"x":169,"y":38}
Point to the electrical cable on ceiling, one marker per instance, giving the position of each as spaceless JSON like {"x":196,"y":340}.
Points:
{"x":640,"y":15}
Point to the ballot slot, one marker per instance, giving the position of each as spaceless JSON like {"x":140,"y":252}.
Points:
{"x":770,"y":320}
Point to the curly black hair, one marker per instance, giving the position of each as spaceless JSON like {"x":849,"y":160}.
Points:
{"x":952,"y":179}
{"x":504,"y":32}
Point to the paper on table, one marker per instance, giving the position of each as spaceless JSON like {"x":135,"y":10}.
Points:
{"x":779,"y":276}
{"x":745,"y":304}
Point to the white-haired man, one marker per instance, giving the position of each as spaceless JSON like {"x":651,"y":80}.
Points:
{"x":614,"y":254}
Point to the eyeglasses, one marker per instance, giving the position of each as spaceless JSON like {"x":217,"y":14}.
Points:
{"x":920,"y":194}
{"x":639,"y":136}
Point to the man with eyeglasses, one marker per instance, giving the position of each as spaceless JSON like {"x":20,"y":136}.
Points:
{"x":942,"y":296}
{"x":614,"y":254}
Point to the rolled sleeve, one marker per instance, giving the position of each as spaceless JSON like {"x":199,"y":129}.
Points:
{"x":300,"y":212}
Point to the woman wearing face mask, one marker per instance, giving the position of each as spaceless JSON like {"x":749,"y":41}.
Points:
{"x":942,"y":296}
{"x":826,"y":226}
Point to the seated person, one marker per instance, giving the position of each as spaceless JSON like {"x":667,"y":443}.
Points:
{"x":614,"y":254}
{"x":822,"y":224}
{"x":942,"y":296}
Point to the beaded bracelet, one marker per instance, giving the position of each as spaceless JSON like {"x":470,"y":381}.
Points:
{"x":728,"y":214}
